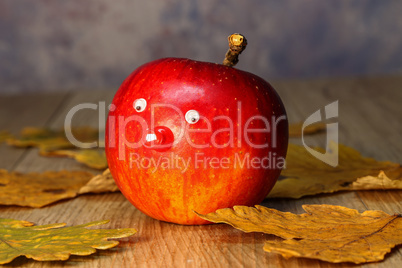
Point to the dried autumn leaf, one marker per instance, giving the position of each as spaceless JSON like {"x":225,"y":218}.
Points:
{"x":44,"y":139}
{"x":325,"y":232}
{"x":54,"y":242}
{"x":307,"y":175}
{"x":48,"y":140}
{"x":91,"y":158}
{"x":379,"y":182}
{"x":40,"y":189}
{"x":296,"y":129}
{"x":4,"y":135}
{"x":100,"y":184}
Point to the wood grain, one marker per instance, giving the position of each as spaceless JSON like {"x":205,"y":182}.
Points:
{"x":369,"y":120}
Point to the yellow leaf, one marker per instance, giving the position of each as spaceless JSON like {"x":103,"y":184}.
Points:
{"x":40,"y":189}
{"x":325,"y":232}
{"x":54,"y":242}
{"x":307,"y":175}
{"x":100,"y":184}
{"x":91,"y":158}
{"x":295,"y":129}
{"x":49,"y":140}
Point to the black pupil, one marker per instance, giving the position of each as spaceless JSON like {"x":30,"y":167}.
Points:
{"x":138,"y":108}
{"x":193,"y":119}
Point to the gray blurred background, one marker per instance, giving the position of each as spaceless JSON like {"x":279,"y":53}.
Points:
{"x":72,"y":44}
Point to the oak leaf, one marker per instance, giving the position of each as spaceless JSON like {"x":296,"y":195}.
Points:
{"x":325,"y":232}
{"x":91,"y":158}
{"x":54,"y":241}
{"x":296,"y":129}
{"x":40,"y":189}
{"x":49,"y":140}
{"x":307,"y":175}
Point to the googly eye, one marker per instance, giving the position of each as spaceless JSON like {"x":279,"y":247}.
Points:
{"x":192,"y":116}
{"x":140,"y":105}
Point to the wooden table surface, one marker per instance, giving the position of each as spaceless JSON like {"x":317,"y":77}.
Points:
{"x":370,"y":112}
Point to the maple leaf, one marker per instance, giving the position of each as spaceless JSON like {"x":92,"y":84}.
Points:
{"x":296,"y":129}
{"x":100,"y":184}
{"x":325,"y":232}
{"x":54,"y":241}
{"x":91,"y":158}
{"x":40,"y":189}
{"x":49,"y":140}
{"x":307,"y":175}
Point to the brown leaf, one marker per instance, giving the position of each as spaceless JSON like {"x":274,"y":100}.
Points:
{"x":100,"y":184}
{"x":54,"y":241}
{"x":49,"y":140}
{"x":40,"y":189}
{"x":325,"y":232}
{"x":307,"y":175}
{"x":295,"y":129}
{"x":91,"y":158}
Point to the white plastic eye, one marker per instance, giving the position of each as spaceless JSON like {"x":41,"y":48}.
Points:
{"x":139,"y":105}
{"x":192,"y":116}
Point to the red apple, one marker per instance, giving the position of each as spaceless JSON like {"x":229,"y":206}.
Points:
{"x":184,"y":136}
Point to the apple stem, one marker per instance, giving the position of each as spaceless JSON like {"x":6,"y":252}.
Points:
{"x":237,"y":43}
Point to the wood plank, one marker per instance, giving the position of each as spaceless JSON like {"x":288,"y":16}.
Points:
{"x":362,"y":126}
{"x":369,"y":121}
{"x":83,"y":117}
{"x":17,"y":112}
{"x":365,"y":104}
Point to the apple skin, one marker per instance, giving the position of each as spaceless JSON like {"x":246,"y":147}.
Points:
{"x":172,"y":193}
